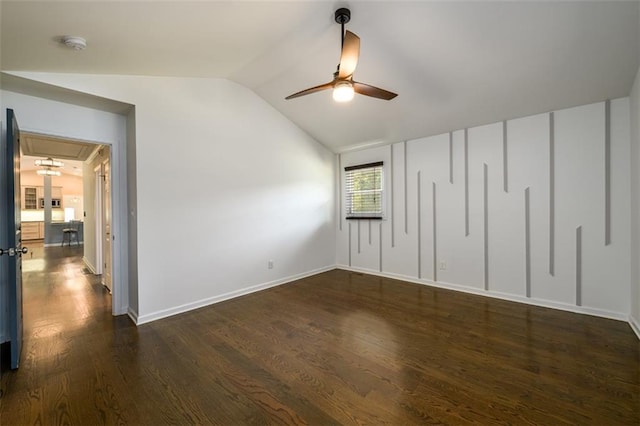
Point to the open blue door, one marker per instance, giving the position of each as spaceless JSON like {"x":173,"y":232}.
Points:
{"x":11,"y":211}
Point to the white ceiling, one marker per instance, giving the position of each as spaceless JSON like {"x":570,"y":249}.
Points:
{"x":71,"y":152}
{"x":453,"y":64}
{"x":34,"y":144}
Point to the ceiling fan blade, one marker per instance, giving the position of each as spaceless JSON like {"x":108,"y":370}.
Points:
{"x":349,"y":55}
{"x":374,"y":92}
{"x":311,"y":90}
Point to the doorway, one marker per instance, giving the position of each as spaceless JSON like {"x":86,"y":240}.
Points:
{"x":81,"y":199}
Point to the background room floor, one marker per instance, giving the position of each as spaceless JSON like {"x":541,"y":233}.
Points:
{"x":338,"y":347}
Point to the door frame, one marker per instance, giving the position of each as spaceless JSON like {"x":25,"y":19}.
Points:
{"x":97,"y":213}
{"x":106,"y":251}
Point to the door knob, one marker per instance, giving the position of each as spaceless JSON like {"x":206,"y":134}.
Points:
{"x":12,"y":251}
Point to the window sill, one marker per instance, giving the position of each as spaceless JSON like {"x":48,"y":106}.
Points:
{"x":364,"y":218}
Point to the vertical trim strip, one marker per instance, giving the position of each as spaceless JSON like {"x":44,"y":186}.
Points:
{"x":380,"y":247}
{"x":579,"y":266}
{"x":450,"y":157}
{"x":466,"y":182}
{"x":485,"y":173}
{"x":349,"y":243}
{"x":552,"y":196}
{"x":406,"y":212}
{"x":435,"y":245}
{"x":359,"y":221}
{"x":527,"y":242}
{"x":369,"y":232}
{"x":393,"y":211}
{"x":505,"y":165}
{"x":607,"y":172}
{"x":419,"y":230}
{"x":340,"y":206}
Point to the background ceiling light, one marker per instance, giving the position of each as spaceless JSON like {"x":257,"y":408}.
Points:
{"x":74,"y":42}
{"x":48,"y":172}
{"x":49,"y":162}
{"x":47,"y":165}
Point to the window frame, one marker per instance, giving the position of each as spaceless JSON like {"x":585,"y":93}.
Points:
{"x":348,"y":194}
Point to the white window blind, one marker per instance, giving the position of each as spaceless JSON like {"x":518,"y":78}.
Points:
{"x":363,"y":190}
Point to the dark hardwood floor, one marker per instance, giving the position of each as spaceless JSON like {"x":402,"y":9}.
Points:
{"x":336,"y":348}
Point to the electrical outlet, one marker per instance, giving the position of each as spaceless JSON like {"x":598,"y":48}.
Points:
{"x":443,"y":265}
{"x":270,"y":264}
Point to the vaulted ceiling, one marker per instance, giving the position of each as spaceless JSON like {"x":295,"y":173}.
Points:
{"x":453,"y":64}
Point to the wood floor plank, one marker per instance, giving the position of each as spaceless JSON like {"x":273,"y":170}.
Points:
{"x":334,"y":348}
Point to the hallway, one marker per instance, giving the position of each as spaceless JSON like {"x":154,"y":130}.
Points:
{"x":60,"y":293}
{"x":68,"y":328}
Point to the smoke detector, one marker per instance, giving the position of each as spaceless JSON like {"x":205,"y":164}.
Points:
{"x":74,"y":42}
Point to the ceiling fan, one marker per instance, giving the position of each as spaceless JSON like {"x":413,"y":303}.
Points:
{"x":343,"y":84}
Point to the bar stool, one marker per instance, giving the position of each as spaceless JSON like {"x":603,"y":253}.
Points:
{"x":68,"y":233}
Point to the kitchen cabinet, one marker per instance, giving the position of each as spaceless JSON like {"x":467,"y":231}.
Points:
{"x":31,"y":196}
{"x":32,"y":230}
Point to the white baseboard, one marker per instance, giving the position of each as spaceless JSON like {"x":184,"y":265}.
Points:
{"x":89,"y":265}
{"x":133,"y":315}
{"x":635,"y":325}
{"x":633,"y":322}
{"x":496,"y":295}
{"x":58,"y":244}
{"x":142,"y":319}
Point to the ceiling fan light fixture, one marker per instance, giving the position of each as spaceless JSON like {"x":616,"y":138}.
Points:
{"x":343,"y":91}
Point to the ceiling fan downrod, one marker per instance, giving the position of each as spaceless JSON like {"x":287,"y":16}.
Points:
{"x":342,"y":16}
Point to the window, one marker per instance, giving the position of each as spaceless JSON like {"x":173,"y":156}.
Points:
{"x":363,"y":188}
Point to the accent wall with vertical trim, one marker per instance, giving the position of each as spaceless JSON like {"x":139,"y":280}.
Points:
{"x":534,"y":209}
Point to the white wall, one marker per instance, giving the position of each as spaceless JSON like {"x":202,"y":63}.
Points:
{"x":224,"y":184}
{"x":494,"y":255}
{"x":635,"y":205}
{"x":132,"y":223}
{"x":69,"y":184}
